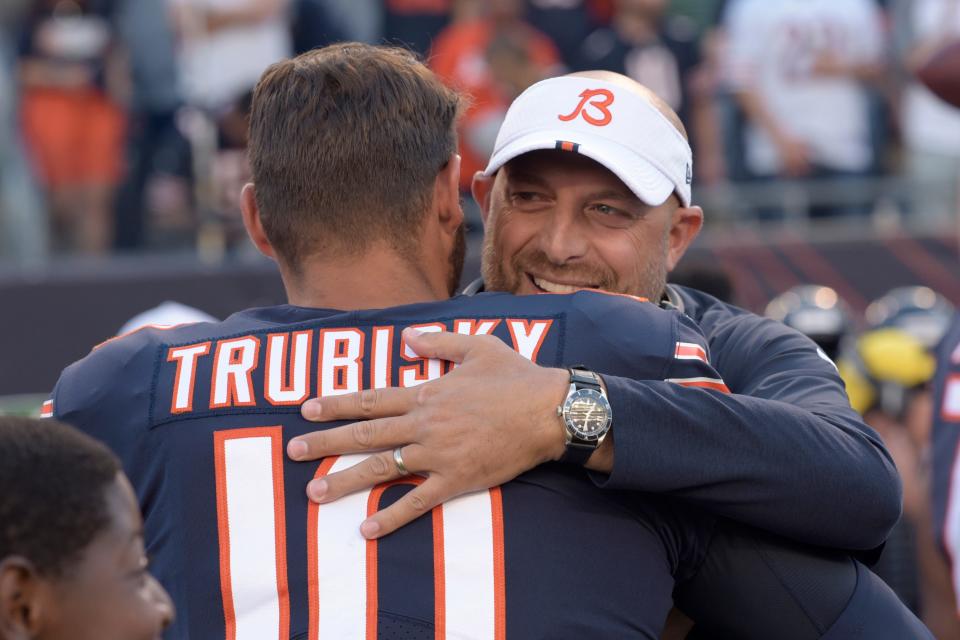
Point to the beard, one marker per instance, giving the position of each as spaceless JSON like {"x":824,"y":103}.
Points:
{"x":457,"y":257}
{"x":648,"y":280}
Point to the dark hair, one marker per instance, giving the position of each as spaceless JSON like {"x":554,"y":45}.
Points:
{"x":345,"y":144}
{"x":52,"y":491}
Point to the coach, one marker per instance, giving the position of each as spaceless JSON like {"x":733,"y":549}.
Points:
{"x":589,"y":186}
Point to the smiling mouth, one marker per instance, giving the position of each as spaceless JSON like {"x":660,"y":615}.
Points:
{"x":548,"y":286}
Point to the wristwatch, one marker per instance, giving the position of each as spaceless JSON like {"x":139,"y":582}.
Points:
{"x":586,"y":415}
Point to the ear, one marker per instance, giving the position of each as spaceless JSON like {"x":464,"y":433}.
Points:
{"x":481,"y":188}
{"x":446,"y":195}
{"x":21,"y":599}
{"x":686,"y":224}
{"x":251,"y":221}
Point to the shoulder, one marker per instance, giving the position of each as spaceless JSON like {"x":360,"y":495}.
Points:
{"x":745,"y":346}
{"x":113,"y":384}
{"x":720,"y":319}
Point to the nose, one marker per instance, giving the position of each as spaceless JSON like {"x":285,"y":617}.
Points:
{"x":564,"y":238}
{"x":163,"y":603}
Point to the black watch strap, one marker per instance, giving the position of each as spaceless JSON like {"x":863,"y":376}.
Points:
{"x":578,"y":452}
{"x":583,"y":377}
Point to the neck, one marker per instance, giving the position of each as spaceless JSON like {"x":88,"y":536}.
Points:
{"x":348,"y":282}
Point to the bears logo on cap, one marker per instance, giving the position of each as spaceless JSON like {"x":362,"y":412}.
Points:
{"x":600,"y":105}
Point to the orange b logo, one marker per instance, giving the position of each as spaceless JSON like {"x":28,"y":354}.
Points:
{"x":601,"y":105}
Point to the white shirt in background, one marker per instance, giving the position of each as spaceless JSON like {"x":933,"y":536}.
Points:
{"x":217,"y":68}
{"x":773,"y":45}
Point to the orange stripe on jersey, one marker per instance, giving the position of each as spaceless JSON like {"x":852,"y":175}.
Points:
{"x":499,"y":568}
{"x":690,"y":351}
{"x":439,"y":577}
{"x":280,"y":531}
{"x":705,"y":383}
{"x":46,"y":409}
{"x":313,"y":564}
{"x":223,"y":527}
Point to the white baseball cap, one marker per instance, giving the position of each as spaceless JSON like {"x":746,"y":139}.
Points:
{"x":605,"y":122}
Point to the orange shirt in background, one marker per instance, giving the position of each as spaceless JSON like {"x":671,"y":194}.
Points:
{"x":459,"y":58}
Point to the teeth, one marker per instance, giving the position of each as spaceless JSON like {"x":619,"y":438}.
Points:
{"x":555,"y":287}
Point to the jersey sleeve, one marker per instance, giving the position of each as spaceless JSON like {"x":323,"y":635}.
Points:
{"x":107,"y":394}
{"x":782,"y":589}
{"x":737,"y":454}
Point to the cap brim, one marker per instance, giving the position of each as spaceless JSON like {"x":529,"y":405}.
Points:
{"x":645,"y":180}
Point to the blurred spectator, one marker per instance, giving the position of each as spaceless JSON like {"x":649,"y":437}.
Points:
{"x":888,"y":372}
{"x":72,"y":124}
{"x":23,"y":222}
{"x":941,"y":610}
{"x":491,"y":54}
{"x":931,"y":127}
{"x":415,"y":23}
{"x":799,"y":71}
{"x":664,"y":55}
{"x":230,"y":170}
{"x":157,"y":155}
{"x":226,"y":44}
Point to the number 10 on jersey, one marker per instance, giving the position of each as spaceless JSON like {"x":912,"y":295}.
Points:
{"x":468,"y":570}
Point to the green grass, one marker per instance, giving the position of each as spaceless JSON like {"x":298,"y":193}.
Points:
{"x":23,"y":405}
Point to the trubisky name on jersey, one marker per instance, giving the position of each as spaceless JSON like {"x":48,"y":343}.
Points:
{"x":283,"y":369}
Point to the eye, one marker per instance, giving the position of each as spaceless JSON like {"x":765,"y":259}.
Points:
{"x":610,"y":216}
{"x":528,"y":200}
{"x":607,"y":210}
{"x":526,"y":196}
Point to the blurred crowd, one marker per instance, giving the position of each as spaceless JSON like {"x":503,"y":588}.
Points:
{"x":123,"y":122}
{"x":887,"y":361}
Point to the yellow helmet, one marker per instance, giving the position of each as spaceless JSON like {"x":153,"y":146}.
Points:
{"x":883,"y":367}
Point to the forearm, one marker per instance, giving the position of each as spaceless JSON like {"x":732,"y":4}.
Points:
{"x":816,"y":479}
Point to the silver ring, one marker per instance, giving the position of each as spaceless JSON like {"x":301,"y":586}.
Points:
{"x":398,"y":460}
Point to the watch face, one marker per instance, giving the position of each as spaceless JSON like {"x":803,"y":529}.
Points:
{"x":587,"y":414}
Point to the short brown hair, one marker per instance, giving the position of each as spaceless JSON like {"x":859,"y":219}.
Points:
{"x":345,"y":144}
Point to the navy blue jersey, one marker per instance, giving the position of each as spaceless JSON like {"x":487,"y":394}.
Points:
{"x":946,"y":448}
{"x":784,"y":451}
{"x":201,"y":415}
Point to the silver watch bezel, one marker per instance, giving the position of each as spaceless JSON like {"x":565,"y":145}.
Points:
{"x":575,"y":431}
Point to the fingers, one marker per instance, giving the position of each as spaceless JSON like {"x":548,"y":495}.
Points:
{"x":369,"y":403}
{"x":377,"y":469}
{"x":370,"y":435}
{"x":420,"y":500}
{"x":445,"y":345}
